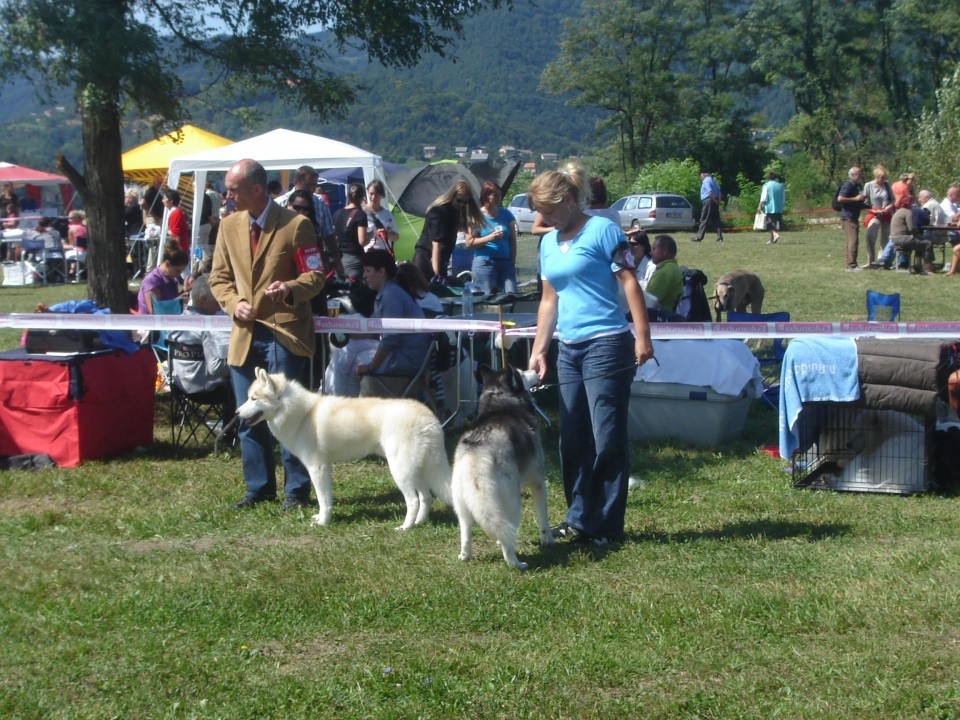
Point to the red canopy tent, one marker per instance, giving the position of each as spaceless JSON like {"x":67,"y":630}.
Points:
{"x":34,"y":180}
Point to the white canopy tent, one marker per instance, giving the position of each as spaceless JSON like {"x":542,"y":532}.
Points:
{"x":276,"y":150}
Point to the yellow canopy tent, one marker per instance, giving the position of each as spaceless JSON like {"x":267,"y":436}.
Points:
{"x":149,"y":161}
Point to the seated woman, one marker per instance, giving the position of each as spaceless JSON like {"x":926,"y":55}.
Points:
{"x":76,"y":245}
{"x":163,"y":282}
{"x":340,"y":376}
{"x":396,"y":354}
{"x":46,"y":238}
{"x":905,"y":235}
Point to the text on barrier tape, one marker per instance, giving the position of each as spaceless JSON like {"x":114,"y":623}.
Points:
{"x":354,"y":325}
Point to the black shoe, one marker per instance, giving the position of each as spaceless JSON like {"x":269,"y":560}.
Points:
{"x":294,"y":504}
{"x":565,"y":531}
{"x":249,"y":502}
{"x":720,"y":239}
{"x":596,"y":541}
{"x":695,"y":239}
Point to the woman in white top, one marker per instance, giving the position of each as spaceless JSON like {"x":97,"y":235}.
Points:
{"x":879,"y":199}
{"x":374,"y":208}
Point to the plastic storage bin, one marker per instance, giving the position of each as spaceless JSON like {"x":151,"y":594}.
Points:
{"x":691,"y":413}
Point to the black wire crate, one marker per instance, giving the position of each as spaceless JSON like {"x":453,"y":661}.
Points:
{"x":855,"y":449}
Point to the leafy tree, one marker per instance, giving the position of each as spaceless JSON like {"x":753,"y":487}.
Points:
{"x":114,"y":55}
{"x":806,"y":188}
{"x":677,"y":176}
{"x":938,"y":137}
{"x":521,"y":181}
{"x":623,"y":57}
{"x":670,"y":75}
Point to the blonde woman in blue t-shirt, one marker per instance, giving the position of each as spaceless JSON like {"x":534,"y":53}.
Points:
{"x":583,"y":259}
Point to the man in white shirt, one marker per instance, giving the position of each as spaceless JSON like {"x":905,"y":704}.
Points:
{"x":929,"y":203}
{"x":949,"y":204}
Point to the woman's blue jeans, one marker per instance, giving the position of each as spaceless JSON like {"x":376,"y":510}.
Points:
{"x":256,"y":441}
{"x":493,"y":273}
{"x":595,"y":378}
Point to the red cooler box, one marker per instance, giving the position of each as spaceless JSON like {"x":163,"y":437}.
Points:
{"x":76,"y":407}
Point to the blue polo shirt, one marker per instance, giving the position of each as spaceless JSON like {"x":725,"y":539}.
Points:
{"x":707,"y":186}
{"x":583,"y":276}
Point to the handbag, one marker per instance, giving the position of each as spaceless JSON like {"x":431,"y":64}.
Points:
{"x":380,"y":240}
{"x":760,"y":221}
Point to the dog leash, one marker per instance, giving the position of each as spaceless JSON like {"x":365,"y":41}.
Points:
{"x":543,"y":415}
{"x":223,"y":431}
{"x":583,"y":380}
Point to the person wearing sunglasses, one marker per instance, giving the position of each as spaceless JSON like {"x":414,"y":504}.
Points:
{"x":455,"y":211}
{"x":301,"y":202}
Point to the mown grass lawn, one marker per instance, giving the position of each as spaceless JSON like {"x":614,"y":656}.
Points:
{"x":131,"y":591}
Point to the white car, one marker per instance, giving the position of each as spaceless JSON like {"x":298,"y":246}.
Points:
{"x":655,"y":211}
{"x":524,"y":215}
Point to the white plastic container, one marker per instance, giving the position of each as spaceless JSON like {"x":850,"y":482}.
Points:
{"x":690,"y":413}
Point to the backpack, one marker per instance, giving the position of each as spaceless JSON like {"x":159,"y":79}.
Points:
{"x":836,"y":199}
{"x":693,"y":305}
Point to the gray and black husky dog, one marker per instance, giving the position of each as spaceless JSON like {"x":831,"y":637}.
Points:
{"x":496,"y":457}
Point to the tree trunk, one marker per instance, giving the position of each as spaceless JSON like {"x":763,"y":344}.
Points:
{"x":101,"y":188}
{"x":107,"y":255}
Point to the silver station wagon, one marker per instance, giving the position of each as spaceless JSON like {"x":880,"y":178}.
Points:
{"x":655,"y":211}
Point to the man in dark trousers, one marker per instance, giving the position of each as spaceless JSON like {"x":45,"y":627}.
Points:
{"x":850,"y":196}
{"x":710,"y":212}
{"x":265,"y":270}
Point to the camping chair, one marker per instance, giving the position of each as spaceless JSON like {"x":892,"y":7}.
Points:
{"x":202,"y":417}
{"x":158,"y":340}
{"x":877,"y":300}
{"x":52,"y":266}
{"x":770,"y":357}
{"x":415,"y":387}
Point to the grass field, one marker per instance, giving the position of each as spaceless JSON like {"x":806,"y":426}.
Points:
{"x":131,"y":591}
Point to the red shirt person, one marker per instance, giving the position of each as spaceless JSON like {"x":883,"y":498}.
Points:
{"x":176,"y":222}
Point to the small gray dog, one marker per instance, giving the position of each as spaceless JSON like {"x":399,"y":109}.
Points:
{"x":736,"y":290}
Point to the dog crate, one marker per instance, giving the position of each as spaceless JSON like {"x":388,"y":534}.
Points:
{"x":857,"y":449}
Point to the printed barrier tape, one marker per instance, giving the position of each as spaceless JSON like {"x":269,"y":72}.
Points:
{"x":351,"y":325}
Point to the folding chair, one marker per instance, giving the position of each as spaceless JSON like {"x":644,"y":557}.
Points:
{"x":416,"y":386}
{"x":52,"y":266}
{"x":197,"y":418}
{"x":877,"y":300}
{"x":770,"y":357}
{"x":158,"y":340}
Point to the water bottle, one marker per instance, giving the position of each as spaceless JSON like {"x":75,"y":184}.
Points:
{"x":468,"y":298}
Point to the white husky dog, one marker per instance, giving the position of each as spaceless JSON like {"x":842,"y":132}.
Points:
{"x":323,"y":429}
{"x":496,"y":457}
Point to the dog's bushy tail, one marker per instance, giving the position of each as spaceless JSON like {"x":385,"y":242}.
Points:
{"x":436,"y":464}
{"x":440,"y":477}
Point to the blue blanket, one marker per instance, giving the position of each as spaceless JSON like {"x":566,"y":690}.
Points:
{"x":115,"y":339}
{"x":814,"y":370}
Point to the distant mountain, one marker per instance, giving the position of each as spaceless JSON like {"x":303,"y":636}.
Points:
{"x":485,"y":93}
